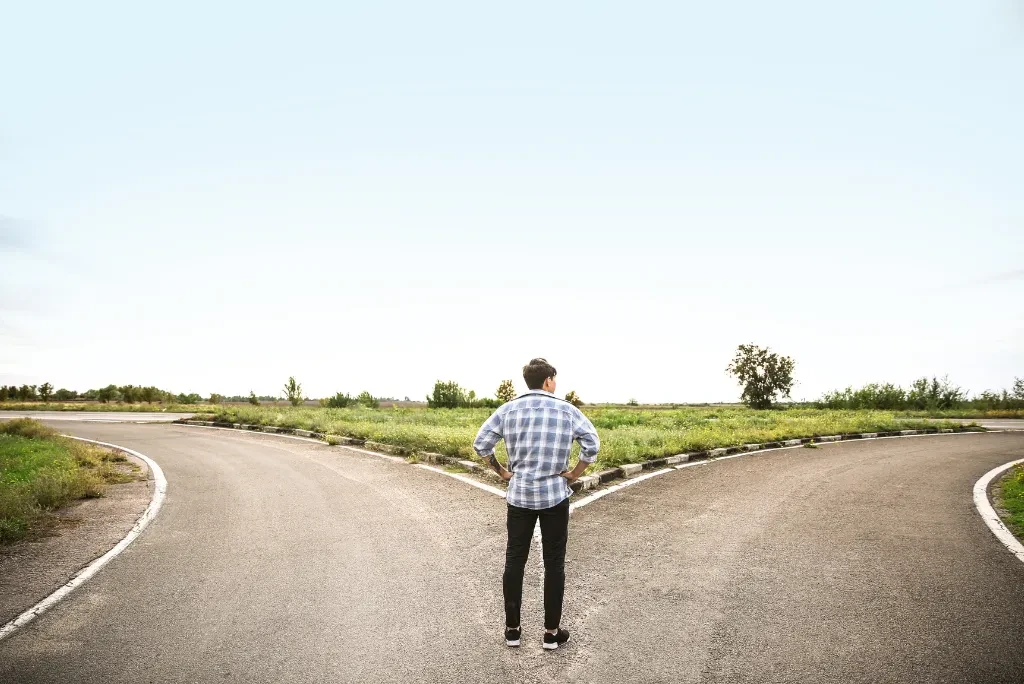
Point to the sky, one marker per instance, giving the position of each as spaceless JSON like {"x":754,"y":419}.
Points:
{"x":211,"y":197}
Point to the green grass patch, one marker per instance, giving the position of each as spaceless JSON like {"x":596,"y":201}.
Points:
{"x":100,"y":406}
{"x":41,"y":471}
{"x":627,"y":435}
{"x":1010,"y":500}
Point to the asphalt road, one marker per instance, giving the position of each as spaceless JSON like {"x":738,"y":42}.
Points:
{"x":276,"y":560}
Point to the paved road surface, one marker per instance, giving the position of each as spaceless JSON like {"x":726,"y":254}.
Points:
{"x":281,"y":561}
{"x":96,"y":416}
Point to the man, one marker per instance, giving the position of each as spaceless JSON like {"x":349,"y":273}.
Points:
{"x":538,"y":429}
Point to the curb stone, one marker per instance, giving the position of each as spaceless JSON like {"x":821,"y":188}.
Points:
{"x":586,"y":482}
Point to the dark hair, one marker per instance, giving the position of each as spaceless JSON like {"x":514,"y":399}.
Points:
{"x":536,"y":372}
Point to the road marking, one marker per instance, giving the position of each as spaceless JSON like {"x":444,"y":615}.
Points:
{"x":622,"y":485}
{"x":83,"y":575}
{"x":989,"y":515}
{"x":463,"y":478}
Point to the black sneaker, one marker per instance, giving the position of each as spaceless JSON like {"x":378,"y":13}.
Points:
{"x":553,"y":641}
{"x":511,"y":636}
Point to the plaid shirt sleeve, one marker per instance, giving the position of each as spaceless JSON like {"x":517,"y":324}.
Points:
{"x":583,"y":432}
{"x":489,"y":436}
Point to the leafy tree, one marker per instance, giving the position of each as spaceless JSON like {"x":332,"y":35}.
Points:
{"x":3,"y":392}
{"x":65,"y":394}
{"x":368,"y":400}
{"x":763,"y":375}
{"x":216,"y":398}
{"x":27,"y":392}
{"x":1018,"y":389}
{"x":574,"y":399}
{"x":293,"y":391}
{"x":253,"y":399}
{"x":45,"y":391}
{"x":506,"y":392}
{"x":446,"y":395}
{"x":191,"y":398}
{"x":632,"y":402}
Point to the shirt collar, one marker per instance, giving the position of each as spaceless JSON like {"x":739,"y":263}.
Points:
{"x":538,"y":391}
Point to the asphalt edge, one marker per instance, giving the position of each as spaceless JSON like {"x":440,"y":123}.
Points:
{"x":587,"y":482}
{"x":86,"y":573}
{"x":988,"y":513}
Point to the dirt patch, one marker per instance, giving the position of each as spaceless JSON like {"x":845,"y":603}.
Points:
{"x":70,"y":539}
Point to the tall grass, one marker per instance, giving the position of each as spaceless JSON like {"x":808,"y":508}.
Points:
{"x":41,"y":471}
{"x":1011,"y":500}
{"x":627,"y":435}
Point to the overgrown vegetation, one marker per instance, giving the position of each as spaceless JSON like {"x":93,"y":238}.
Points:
{"x":763,"y":374}
{"x":627,"y":435}
{"x":41,"y":471}
{"x":293,"y":392}
{"x":506,"y":392}
{"x":1010,"y":500}
{"x":574,"y":399}
{"x":924,"y":395}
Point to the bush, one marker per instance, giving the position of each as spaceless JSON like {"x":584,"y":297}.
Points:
{"x":189,"y":399}
{"x":45,"y":391}
{"x":763,"y":374}
{"x":293,"y":391}
{"x":574,"y":399}
{"x":446,"y":395}
{"x":253,"y":399}
{"x":216,"y":398}
{"x":923,"y":395}
{"x":368,"y":400}
{"x":632,"y":402}
{"x":506,"y":392}
{"x":65,"y":395}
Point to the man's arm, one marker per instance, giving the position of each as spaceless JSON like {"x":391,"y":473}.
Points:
{"x":590,"y":444}
{"x":488,"y":437}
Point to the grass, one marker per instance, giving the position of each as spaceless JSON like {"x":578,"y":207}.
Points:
{"x":627,"y":435}
{"x":41,"y":471}
{"x":1010,"y":500}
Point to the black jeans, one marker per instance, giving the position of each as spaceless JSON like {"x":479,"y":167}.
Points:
{"x":554,"y":529}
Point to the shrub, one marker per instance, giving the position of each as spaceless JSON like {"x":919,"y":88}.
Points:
{"x":368,"y":400}
{"x":506,"y":392}
{"x":191,"y":398}
{"x":632,"y":402}
{"x":574,"y":399}
{"x":446,"y":395}
{"x":763,"y":375}
{"x":216,"y":398}
{"x":253,"y":399}
{"x":293,"y":391}
{"x":65,"y":395}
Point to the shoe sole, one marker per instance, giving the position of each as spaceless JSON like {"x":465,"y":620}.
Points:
{"x":512,"y":643}
{"x":552,"y":647}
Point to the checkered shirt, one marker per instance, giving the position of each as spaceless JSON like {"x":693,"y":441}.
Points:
{"x":538,"y":429}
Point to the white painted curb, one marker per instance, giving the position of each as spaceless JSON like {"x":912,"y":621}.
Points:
{"x":989,"y":515}
{"x":83,"y":575}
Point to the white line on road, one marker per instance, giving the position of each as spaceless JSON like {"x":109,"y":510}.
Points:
{"x":463,"y":478}
{"x":989,"y":515}
{"x":83,"y":575}
{"x":614,"y":488}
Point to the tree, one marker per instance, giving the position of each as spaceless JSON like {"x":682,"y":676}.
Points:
{"x":368,"y":400}
{"x":45,"y":391}
{"x":506,"y":392}
{"x":109,"y":393}
{"x":65,"y":394}
{"x":763,"y":375}
{"x":3,"y":392}
{"x":632,"y":402}
{"x":1018,"y":389}
{"x":293,"y":391}
{"x":253,"y":399}
{"x":574,"y":399}
{"x":216,"y":398}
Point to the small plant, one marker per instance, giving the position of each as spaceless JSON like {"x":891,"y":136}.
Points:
{"x":253,"y":399}
{"x":574,"y":399}
{"x":506,"y":392}
{"x":368,"y":400}
{"x":293,"y":391}
{"x":45,"y":391}
{"x":763,"y":375}
{"x":333,"y":440}
{"x":339,"y":400}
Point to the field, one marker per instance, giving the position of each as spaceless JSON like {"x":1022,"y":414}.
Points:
{"x":627,"y":435}
{"x":41,"y":471}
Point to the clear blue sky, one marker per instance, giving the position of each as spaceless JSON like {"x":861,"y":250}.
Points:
{"x":376,"y":195}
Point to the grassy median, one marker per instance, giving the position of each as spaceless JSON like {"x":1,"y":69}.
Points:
{"x":627,"y":435}
{"x":1009,"y":500}
{"x":41,"y":471}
